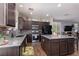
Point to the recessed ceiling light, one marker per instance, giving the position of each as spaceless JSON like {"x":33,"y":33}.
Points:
{"x":47,"y":15}
{"x":31,"y":13}
{"x":20,"y":5}
{"x":59,"y":5}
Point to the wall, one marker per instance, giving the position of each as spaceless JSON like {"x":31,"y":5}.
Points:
{"x":51,"y":23}
{"x":1,"y":13}
{"x":16,"y":20}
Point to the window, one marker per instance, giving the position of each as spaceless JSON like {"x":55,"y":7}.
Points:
{"x":56,"y":27}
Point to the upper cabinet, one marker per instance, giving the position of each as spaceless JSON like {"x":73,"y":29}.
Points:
{"x":7,"y":14}
{"x":20,"y":23}
{"x":10,"y":14}
{"x":24,"y":24}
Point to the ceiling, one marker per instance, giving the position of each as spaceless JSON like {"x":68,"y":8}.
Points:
{"x":67,"y":11}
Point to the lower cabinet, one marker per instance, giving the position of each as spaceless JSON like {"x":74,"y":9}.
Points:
{"x":63,"y":47}
{"x":45,"y":44}
{"x":70,"y":46}
{"x":29,"y":38}
{"x":56,"y":47}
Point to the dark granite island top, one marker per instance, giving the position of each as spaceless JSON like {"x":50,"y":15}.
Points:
{"x":57,"y":45}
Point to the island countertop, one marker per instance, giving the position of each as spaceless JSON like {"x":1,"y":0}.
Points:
{"x":15,"y":41}
{"x":57,"y":36}
{"x":12,"y":42}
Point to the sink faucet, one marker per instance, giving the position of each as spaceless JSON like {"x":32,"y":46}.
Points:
{"x":11,"y":32}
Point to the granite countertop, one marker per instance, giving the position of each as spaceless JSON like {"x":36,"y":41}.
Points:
{"x":12,"y":42}
{"x":57,"y":36}
{"x":15,"y":41}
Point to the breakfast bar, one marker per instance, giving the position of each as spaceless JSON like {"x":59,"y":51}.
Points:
{"x":57,"y":45}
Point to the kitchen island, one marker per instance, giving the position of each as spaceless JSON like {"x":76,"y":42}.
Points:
{"x":57,"y":45}
{"x":13,"y":46}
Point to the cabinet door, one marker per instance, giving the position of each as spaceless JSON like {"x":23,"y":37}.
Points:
{"x":47,"y":47}
{"x":10,"y":14}
{"x":27,"y":25}
{"x":42,"y":42}
{"x":29,"y":38}
{"x":63,"y":47}
{"x":45,"y":43}
{"x":20,"y":23}
{"x":54,"y":46}
{"x":70,"y":46}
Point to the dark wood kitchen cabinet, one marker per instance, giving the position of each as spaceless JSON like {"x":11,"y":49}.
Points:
{"x":70,"y":46}
{"x":10,"y":14}
{"x":20,"y":23}
{"x":54,"y":47}
{"x":41,"y":24}
{"x":24,"y":24}
{"x":27,"y":25}
{"x":45,"y":44}
{"x":29,"y":38}
{"x":57,"y":47}
{"x":63,"y":47}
